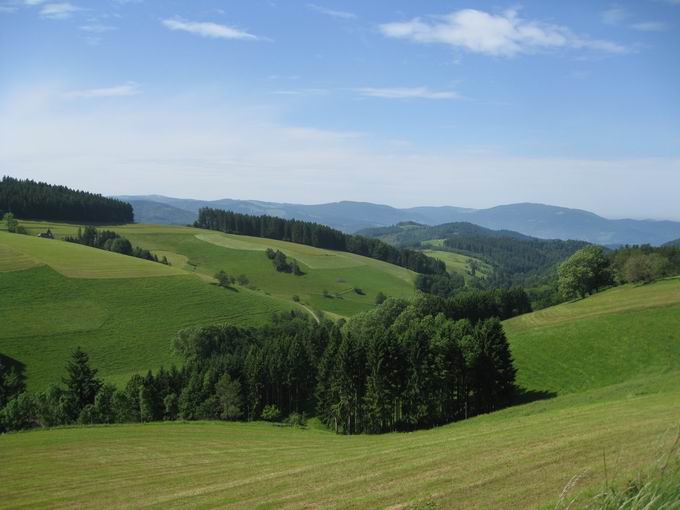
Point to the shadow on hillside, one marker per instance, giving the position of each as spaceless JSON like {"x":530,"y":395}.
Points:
{"x":7,"y":363}
{"x":524,"y":396}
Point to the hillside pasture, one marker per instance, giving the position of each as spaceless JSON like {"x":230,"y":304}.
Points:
{"x":458,"y":263}
{"x":522,"y":457}
{"x":328,"y":284}
{"x":78,"y":261}
{"x":615,"y":335}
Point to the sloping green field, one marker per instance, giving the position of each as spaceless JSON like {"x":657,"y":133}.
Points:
{"x":617,"y":403}
{"x":613,"y":336}
{"x":458,"y":263}
{"x":206,"y":252}
{"x":55,"y":296}
{"x":124,"y":311}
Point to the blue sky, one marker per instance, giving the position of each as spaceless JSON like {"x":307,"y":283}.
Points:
{"x":399,"y":102}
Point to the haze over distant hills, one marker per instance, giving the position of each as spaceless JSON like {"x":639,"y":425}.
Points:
{"x":537,"y":220}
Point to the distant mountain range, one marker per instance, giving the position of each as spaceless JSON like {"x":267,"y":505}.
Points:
{"x":536,"y":220}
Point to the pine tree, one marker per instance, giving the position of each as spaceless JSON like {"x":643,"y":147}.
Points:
{"x":81,"y":382}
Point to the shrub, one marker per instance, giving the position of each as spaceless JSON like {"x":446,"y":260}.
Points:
{"x":295,"y":420}
{"x":271,"y":413}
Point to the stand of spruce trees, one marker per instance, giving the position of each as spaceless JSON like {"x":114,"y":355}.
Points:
{"x":319,"y":236}
{"x":30,"y":200}
{"x":401,"y":366}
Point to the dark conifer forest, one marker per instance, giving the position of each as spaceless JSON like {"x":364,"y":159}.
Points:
{"x":319,"y":236}
{"x":404,"y":365}
{"x":30,"y":200}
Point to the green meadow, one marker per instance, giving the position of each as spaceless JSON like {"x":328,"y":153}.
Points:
{"x":338,"y":283}
{"x":458,"y":263}
{"x":610,"y":362}
{"x":125,"y":311}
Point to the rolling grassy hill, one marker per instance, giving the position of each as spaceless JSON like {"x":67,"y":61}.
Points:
{"x":458,"y":263}
{"x":625,"y":332}
{"x":125,"y":311}
{"x":207,"y":252}
{"x":611,"y":359}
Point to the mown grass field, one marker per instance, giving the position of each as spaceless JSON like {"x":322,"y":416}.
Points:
{"x":617,"y":403}
{"x":206,"y":252}
{"x":123,"y":311}
{"x":518,"y":458}
{"x":610,"y":337}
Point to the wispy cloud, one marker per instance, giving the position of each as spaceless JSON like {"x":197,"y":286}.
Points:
{"x":332,"y":12}
{"x":208,"y":29}
{"x":302,"y":92}
{"x":127,"y":89}
{"x":97,"y":28}
{"x":61,"y":10}
{"x":650,"y":26}
{"x":615,"y":15}
{"x":503,"y":35}
{"x":407,"y":93}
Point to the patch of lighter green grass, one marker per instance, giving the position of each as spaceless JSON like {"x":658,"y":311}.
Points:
{"x":77,"y":261}
{"x":619,"y":299}
{"x":12,"y":260}
{"x":458,"y":263}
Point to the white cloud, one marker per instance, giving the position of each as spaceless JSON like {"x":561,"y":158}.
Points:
{"x":331,"y":12}
{"x":127,"y":89}
{"x":503,"y":35}
{"x":34,"y":2}
{"x":58,"y":11}
{"x":407,"y":93}
{"x":208,"y":29}
{"x":650,"y":26}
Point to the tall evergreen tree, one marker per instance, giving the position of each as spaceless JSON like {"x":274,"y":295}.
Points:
{"x":81,"y":381}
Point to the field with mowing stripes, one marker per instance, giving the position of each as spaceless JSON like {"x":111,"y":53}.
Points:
{"x":615,"y":335}
{"x":517,"y":458}
{"x":616,"y":380}
{"x":55,"y":296}
{"x":205,"y":253}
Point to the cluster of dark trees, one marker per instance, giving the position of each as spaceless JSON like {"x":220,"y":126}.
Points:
{"x":515,"y":261}
{"x":28,"y":199}
{"x":316,"y":235}
{"x":404,"y":365}
{"x":111,"y":241}
{"x":11,"y":380}
{"x":644,"y":264}
{"x":443,"y":285}
{"x":593,"y":268}
{"x":281,"y":263}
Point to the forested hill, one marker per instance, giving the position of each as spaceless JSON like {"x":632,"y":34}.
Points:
{"x":517,"y":261}
{"x":319,"y":236}
{"x":28,"y":199}
{"x":409,"y":233}
{"x":675,"y":244}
